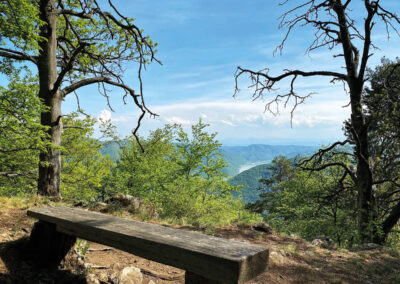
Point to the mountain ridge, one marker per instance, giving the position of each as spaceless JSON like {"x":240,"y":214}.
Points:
{"x":237,"y":156}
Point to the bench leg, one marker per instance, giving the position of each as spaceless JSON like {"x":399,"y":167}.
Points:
{"x":191,"y":278}
{"x":48,"y":245}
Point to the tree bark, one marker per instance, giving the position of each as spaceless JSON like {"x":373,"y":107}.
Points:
{"x":388,"y":224}
{"x":50,"y":160}
{"x":359,"y":125}
{"x":365,"y":202}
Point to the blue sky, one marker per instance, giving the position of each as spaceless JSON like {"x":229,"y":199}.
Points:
{"x":201,"y":43}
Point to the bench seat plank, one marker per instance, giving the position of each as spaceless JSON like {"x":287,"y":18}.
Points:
{"x":219,"y":259}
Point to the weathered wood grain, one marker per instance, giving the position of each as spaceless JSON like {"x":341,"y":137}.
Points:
{"x":218,"y":259}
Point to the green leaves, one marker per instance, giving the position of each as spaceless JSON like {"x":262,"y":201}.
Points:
{"x":308,"y":203}
{"x":84,"y":167}
{"x":181,"y":174}
{"x":19,"y":24}
{"x":21,"y":134}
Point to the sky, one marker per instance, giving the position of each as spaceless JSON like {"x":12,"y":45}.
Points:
{"x":200,"y":45}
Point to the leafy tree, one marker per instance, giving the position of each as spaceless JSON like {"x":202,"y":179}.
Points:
{"x":381,"y":102}
{"x":335,"y":28}
{"x":84,"y":167}
{"x":181,"y":175}
{"x":309,"y":204}
{"x":72,"y":44}
{"x":21,"y":134}
{"x":281,"y":169}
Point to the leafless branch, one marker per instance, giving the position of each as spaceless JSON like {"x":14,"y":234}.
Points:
{"x":16,"y":55}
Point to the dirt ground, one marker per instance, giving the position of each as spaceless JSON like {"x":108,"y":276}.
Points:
{"x":292,"y":260}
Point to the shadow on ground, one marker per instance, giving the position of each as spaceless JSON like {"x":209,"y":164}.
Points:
{"x":22,"y":268}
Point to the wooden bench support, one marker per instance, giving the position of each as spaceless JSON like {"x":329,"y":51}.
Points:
{"x":206,"y":259}
{"x":191,"y":278}
{"x":48,"y":245}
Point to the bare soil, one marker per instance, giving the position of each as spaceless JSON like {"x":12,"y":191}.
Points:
{"x":292,"y":260}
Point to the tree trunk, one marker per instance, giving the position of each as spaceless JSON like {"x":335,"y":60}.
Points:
{"x":388,"y":224}
{"x":50,"y":161}
{"x":365,"y":202}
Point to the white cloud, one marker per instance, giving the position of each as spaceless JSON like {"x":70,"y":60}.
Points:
{"x":228,"y":122}
{"x":319,"y":120}
{"x":179,"y":120}
{"x":104,"y":115}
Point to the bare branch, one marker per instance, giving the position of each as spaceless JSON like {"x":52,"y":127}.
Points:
{"x":16,"y":55}
{"x":73,"y":127}
{"x":81,"y":15}
{"x":317,"y":157}
{"x":328,"y":165}
{"x":13,"y":175}
{"x":262,"y":82}
{"x":68,"y":66}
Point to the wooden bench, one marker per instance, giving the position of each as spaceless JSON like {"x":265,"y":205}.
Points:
{"x":205,"y":259}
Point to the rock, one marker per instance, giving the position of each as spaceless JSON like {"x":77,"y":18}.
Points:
{"x":322,"y":241}
{"x":130,"y":275}
{"x":148,"y":211}
{"x":101,"y":204}
{"x":370,"y":246}
{"x":114,"y":278}
{"x":77,"y":203}
{"x":278,"y":257}
{"x":151,"y":282}
{"x":262,"y":227}
{"x":92,"y":279}
{"x":104,"y":277}
{"x":126,"y":200}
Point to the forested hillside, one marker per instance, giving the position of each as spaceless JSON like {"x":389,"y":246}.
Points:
{"x":238,"y":158}
{"x":250,"y":179}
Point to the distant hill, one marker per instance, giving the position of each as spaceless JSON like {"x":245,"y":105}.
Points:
{"x":240,"y":158}
{"x":250,"y":179}
{"x":111,"y":149}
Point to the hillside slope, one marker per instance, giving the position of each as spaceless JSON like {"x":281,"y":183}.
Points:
{"x":292,"y":260}
{"x":251,"y":180}
{"x":238,"y":157}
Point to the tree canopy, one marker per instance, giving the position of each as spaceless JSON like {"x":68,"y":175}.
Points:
{"x":181,"y":175}
{"x":71,"y":44}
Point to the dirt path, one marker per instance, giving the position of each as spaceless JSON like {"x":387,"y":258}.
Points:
{"x":292,"y":260}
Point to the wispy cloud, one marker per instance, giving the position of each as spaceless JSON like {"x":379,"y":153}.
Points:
{"x":230,"y":117}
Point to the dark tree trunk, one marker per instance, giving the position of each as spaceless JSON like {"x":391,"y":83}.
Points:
{"x":50,"y":161}
{"x":365,"y":200}
{"x":359,"y":125}
{"x":388,"y":224}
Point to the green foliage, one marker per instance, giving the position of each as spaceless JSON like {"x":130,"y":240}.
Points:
{"x":250,"y":179}
{"x":21,"y":134}
{"x":238,"y":156}
{"x":19,"y":24}
{"x":307,"y":203}
{"x":381,"y":100}
{"x":84,"y":167}
{"x":182,"y":176}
